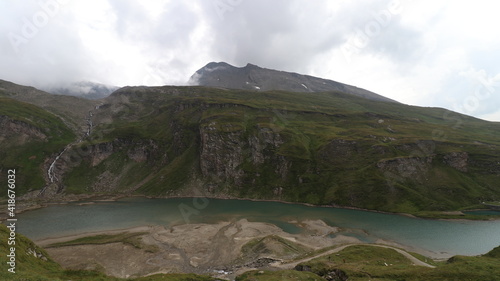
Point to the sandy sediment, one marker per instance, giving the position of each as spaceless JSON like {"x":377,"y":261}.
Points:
{"x":213,"y":249}
{"x":196,"y":248}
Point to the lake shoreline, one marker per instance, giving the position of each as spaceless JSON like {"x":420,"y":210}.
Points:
{"x":103,"y":214}
{"x":29,"y":205}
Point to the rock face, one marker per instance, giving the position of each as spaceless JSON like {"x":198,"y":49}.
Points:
{"x":330,"y":275}
{"x":21,"y":132}
{"x":415,"y":168}
{"x":226,"y":148}
{"x":457,"y":160}
{"x":221,"y":154}
{"x":336,"y":275}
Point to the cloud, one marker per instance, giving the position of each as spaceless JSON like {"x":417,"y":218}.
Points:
{"x":271,"y":35}
{"x":416,"y":52}
{"x":37,"y":46}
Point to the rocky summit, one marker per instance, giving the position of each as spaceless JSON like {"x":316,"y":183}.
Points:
{"x":253,"y":77}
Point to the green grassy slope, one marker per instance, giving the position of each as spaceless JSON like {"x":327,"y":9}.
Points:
{"x":319,"y":148}
{"x":30,"y":136}
{"x":375,"y":263}
{"x":71,"y":109}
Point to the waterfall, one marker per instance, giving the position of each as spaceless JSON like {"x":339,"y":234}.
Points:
{"x":89,"y":124}
{"x":50,"y":172}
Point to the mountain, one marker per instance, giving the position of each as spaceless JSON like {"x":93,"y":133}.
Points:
{"x":252,"y":77}
{"x":330,"y":148}
{"x":84,"y":89}
{"x":71,"y":110}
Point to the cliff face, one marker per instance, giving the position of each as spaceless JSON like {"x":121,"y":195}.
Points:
{"x":232,"y":155}
{"x":457,"y":160}
{"x":221,"y":154}
{"x":19,"y":132}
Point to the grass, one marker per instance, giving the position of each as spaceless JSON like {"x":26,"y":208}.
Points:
{"x":130,"y":238}
{"x":38,"y":135}
{"x":271,"y":247}
{"x":493,"y":203}
{"x":363,"y":261}
{"x":258,"y":275}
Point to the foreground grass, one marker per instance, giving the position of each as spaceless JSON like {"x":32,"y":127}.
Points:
{"x":363,"y":262}
{"x":278,"y":275}
{"x":272,"y":246}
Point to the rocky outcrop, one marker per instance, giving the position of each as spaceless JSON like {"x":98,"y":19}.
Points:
{"x":328,"y":274}
{"x":221,"y":153}
{"x":263,"y":146}
{"x":413,"y":168}
{"x":336,"y":275}
{"x":226,"y":147}
{"x":36,"y":253}
{"x":457,"y":160}
{"x":100,"y":152}
{"x":339,"y":149}
{"x":264,"y":139}
{"x":19,"y":131}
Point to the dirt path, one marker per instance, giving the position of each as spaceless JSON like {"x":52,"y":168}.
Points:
{"x":291,"y":265}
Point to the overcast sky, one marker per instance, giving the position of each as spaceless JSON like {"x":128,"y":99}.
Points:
{"x":426,"y":53}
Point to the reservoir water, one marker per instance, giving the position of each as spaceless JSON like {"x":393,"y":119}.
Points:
{"x":444,"y":238}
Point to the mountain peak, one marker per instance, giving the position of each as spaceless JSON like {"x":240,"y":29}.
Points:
{"x":253,"y":77}
{"x":249,"y":65}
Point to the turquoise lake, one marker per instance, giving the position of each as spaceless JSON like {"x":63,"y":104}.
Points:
{"x":444,"y":238}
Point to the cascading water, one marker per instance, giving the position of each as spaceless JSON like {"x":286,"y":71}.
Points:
{"x":51,"y":174}
{"x":89,"y":124}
